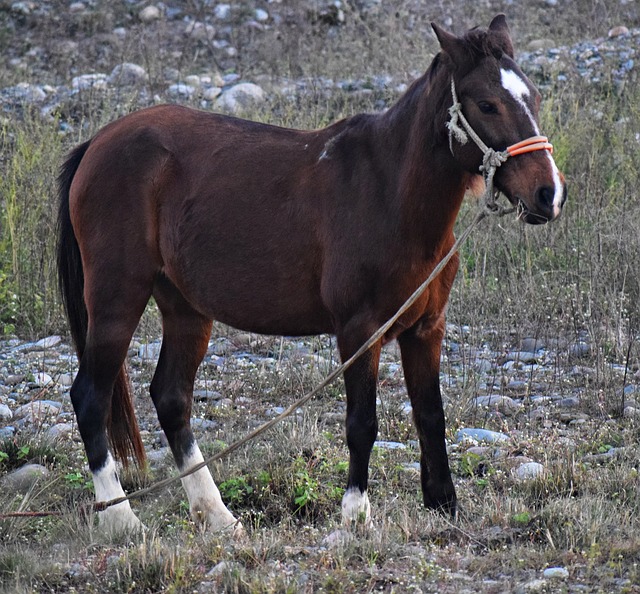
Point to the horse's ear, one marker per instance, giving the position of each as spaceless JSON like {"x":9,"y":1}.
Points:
{"x":500,"y":28}
{"x":451,"y":45}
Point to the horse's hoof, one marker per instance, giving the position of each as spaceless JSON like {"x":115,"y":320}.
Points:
{"x":356,"y":509}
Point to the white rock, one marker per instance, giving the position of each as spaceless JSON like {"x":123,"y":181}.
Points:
{"x":202,"y":31}
{"x":59,"y":431}
{"x":631,"y":412}
{"x":556,"y":573}
{"x":338,"y":539}
{"x":48,"y":342}
{"x":149,"y":14}
{"x":211,"y":93}
{"x":5,"y":413}
{"x":261,"y":15}
{"x":503,"y":404}
{"x":86,"y":82}
{"x":24,"y":478}
{"x":24,"y":8}
{"x":240,"y":97}
{"x":222,"y":11}
{"x":529,"y":470}
{"x":193,"y":80}
{"x":480,"y":435}
{"x":42,"y":379}
{"x":127,"y":74}
{"x":77,"y":7}
{"x":27,"y":92}
{"x":181,"y":91}
{"x":151,"y":350}
{"x":38,"y":410}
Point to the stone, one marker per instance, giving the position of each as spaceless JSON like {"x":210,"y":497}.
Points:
{"x":503,"y":404}
{"x":529,"y":470}
{"x":338,"y":539}
{"x":222,"y":568}
{"x":48,"y":343}
{"x":27,"y":92}
{"x":90,"y":82}
{"x":579,"y":350}
{"x":222,"y":11}
{"x":619,"y":31}
{"x":59,"y":431}
{"x":24,"y":478}
{"x":480,"y":436}
{"x":631,"y":412}
{"x":540,"y":44}
{"x":556,"y":573}
{"x":128,"y":75}
{"x":38,"y":410}
{"x":5,"y":413}
{"x":211,"y":93}
{"x":240,"y":97}
{"x":389,"y":445}
{"x":149,"y":14}
{"x":150,"y":351}
{"x":181,"y":91}
{"x":201,"y":31}
{"x":42,"y":379}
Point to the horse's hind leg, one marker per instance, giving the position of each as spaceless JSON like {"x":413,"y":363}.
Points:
{"x":184,"y":344}
{"x":111,"y":324}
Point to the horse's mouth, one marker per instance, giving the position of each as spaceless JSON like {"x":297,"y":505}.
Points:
{"x":526,"y":216}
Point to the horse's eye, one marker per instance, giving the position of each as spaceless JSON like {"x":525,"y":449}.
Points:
{"x":486,"y":107}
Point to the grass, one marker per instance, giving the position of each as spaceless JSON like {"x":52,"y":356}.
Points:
{"x":570,"y":282}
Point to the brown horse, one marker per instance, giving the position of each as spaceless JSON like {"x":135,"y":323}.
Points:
{"x":289,"y":232}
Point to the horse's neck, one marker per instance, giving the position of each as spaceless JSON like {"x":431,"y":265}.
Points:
{"x":430,"y":184}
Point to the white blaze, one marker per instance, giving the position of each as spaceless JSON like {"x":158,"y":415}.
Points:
{"x":519,"y":90}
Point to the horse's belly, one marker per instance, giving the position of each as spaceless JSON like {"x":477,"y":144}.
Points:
{"x":247,"y":297}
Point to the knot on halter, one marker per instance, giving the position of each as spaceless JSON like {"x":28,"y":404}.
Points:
{"x":455,"y":111}
{"x":491,"y":160}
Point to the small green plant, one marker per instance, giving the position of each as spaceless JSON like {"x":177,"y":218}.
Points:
{"x":521,"y":518}
{"x":77,"y":480}
{"x":236,"y":491}
{"x":306,"y":490}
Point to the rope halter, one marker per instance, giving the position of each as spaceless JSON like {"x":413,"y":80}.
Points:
{"x":460,"y":129}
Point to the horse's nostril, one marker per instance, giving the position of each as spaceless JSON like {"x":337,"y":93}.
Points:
{"x":545,"y":196}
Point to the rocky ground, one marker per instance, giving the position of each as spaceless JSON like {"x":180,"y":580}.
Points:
{"x":541,"y":383}
{"x":87,"y":66}
{"x":540,"y":430}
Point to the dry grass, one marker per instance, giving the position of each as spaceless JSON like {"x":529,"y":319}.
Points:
{"x":574,"y":280}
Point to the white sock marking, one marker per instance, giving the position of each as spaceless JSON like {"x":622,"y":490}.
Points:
{"x":205,"y":502}
{"x":356,"y":508}
{"x":106,"y":484}
{"x":519,"y":90}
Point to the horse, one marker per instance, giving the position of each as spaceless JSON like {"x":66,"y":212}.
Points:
{"x":284,"y":232}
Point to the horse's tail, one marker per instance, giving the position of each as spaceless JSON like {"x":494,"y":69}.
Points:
{"x":122,"y":427}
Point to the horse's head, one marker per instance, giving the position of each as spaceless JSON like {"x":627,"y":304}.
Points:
{"x":501,"y":105}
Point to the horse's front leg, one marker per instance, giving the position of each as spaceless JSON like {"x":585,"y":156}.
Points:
{"x":420,"y":349}
{"x":361,"y":425}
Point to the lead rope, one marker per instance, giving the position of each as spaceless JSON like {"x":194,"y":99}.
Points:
{"x":491,"y":161}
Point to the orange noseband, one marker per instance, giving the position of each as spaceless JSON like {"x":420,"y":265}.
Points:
{"x":535,"y":143}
